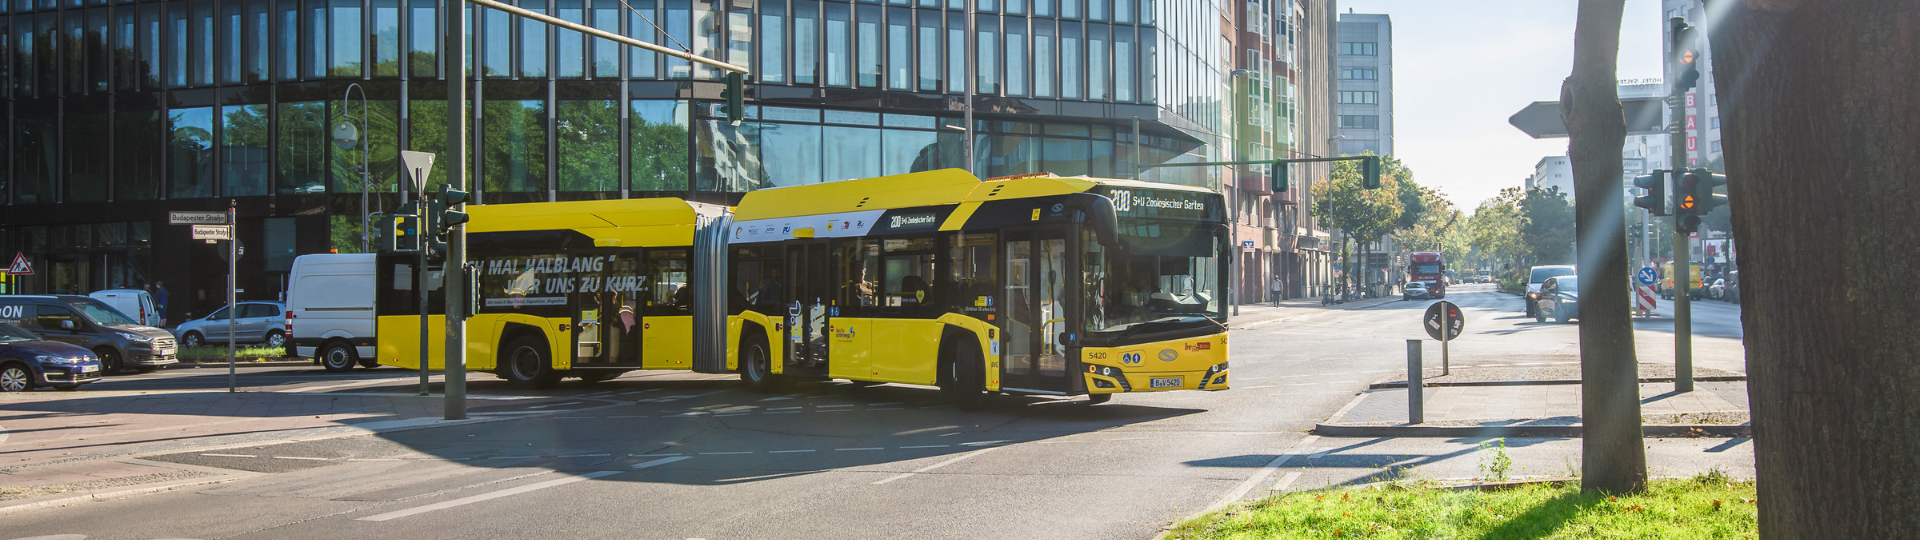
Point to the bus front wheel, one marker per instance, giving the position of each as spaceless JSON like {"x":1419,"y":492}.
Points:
{"x":756,"y":365}
{"x":963,"y":380}
{"x":526,"y":365}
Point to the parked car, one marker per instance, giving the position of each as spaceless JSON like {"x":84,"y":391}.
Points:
{"x":1413,"y":290}
{"x":26,"y":362}
{"x":1559,"y":298}
{"x":259,"y":322}
{"x":1538,"y":275}
{"x":330,"y":310}
{"x":116,"y":339}
{"x":134,"y":303}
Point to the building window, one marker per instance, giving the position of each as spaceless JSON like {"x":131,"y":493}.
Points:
{"x":1099,"y":63}
{"x":839,"y":45}
{"x":86,"y":173}
{"x":641,"y":26}
{"x":1357,"y":48}
{"x":1122,"y":60}
{"x":1358,"y":74}
{"x":1072,"y":64}
{"x":773,"y":42}
{"x":1716,"y":122}
{"x":569,"y":46}
{"x":385,"y":38}
{"x":929,"y":41}
{"x":1359,"y":121}
{"x":304,"y":140}
{"x":678,"y":27}
{"x":657,"y":145}
{"x":956,"y":53}
{"x":1017,"y":56}
{"x":345,"y":46}
{"x":986,"y":65}
{"x":286,"y":47}
{"x":588,"y":133}
{"x":514,"y":153}
{"x":137,"y":146}
{"x":243,"y":150}
{"x":1359,"y":97}
{"x":190,"y":152}
{"x":1716,"y":146}
{"x":533,"y":41}
{"x":498,"y":41}
{"x":606,"y":53}
{"x":867,"y":33}
{"x":423,"y":36}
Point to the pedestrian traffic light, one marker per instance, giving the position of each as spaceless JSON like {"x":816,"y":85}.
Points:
{"x":1370,"y":172}
{"x":1704,"y":184}
{"x":736,"y":96}
{"x":1687,"y":223}
{"x":399,"y":233}
{"x":1685,"y":203}
{"x":1280,"y":179}
{"x":1686,"y":55}
{"x":1655,"y":197}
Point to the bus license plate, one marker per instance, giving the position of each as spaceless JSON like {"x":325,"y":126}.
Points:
{"x":1168,"y":382}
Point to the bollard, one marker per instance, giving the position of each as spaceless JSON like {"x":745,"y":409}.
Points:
{"x":1415,"y":396}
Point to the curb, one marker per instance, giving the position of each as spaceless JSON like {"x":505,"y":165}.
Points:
{"x":62,"y":500}
{"x":1385,"y":385}
{"x":237,"y":363}
{"x":1649,"y":430}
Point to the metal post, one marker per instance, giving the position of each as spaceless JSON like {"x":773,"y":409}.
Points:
{"x":972,"y":77}
{"x":233,"y":282}
{"x":1682,"y":263}
{"x":1136,"y":148}
{"x":455,"y":405}
{"x":1446,"y":336}
{"x":420,"y":289}
{"x":1416,"y":397}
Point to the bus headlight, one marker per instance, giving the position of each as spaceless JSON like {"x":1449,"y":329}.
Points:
{"x":1216,"y":375}
{"x":1109,"y":372}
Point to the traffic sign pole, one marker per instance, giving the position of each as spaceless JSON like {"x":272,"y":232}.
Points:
{"x":1682,"y":265}
{"x":233,"y":310}
{"x":455,"y":406}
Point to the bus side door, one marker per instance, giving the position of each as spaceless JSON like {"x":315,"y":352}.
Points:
{"x":1037,"y":296}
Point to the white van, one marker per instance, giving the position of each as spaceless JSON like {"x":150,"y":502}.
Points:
{"x":136,"y":304}
{"x":330,"y":316}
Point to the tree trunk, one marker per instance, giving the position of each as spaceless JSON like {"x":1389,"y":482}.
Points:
{"x":1821,"y":164}
{"x":1614,"y":458}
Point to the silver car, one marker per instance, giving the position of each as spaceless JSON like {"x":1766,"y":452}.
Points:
{"x":259,"y":322}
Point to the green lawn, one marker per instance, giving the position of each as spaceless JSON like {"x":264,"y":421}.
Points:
{"x":1708,"y":506}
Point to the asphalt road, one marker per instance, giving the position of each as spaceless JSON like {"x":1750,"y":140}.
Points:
{"x":678,"y":455}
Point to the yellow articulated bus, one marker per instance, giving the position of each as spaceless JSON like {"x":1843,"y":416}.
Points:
{"x":1033,"y":284}
{"x":587,"y":289}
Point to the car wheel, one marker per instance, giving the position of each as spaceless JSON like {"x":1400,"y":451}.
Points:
{"x":526,"y":365}
{"x":192,"y":340}
{"x":110,"y":363}
{"x":756,"y":365}
{"x":963,"y":381}
{"x":276,"y":339}
{"x":338,"y":356}
{"x":15,"y":378}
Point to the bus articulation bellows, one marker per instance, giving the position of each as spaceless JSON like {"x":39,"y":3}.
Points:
{"x":1034,"y":284}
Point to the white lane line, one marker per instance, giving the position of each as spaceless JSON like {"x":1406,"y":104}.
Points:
{"x":729,"y":414}
{"x":588,"y":455}
{"x":514,"y":457}
{"x":640,"y":391}
{"x":370,"y":459}
{"x":853,"y":449}
{"x":956,"y":459}
{"x":1286,"y":481}
{"x":301,"y":458}
{"x":723,"y":453}
{"x":229,"y":455}
{"x":778,"y":398}
{"x":1262,"y":474}
{"x":653,"y":455}
{"x":925,"y":446}
{"x":787,"y":451}
{"x":785,"y":409}
{"x":502,"y":413}
{"x":831,"y":406}
{"x":626,"y":417}
{"x":554,"y":405}
{"x":487,"y":496}
{"x":332,"y":386}
{"x":886,"y":409}
{"x":659,"y":462}
{"x":574,"y":417}
{"x":782,"y":412}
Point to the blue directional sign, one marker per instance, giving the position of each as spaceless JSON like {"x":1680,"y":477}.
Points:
{"x":1646,"y":276}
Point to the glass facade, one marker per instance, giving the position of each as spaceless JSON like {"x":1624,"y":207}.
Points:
{"x":138,"y":107}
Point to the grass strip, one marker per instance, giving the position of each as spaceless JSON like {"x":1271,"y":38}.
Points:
{"x":1706,"y":506}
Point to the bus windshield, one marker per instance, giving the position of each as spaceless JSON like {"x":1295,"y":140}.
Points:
{"x":1160,"y":272}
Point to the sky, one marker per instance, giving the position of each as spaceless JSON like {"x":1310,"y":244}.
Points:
{"x":1461,"y":68}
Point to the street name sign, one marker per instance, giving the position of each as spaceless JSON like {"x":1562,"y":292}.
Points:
{"x":213,"y":232}
{"x":197,"y":218}
{"x":1443,"y":314}
{"x":1646,"y":276}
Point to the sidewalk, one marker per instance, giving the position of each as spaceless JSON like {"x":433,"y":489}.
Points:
{"x":1520,"y":402}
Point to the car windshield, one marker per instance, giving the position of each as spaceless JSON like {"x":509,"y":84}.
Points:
{"x":1425,"y":268}
{"x":10,"y":334}
{"x":101,"y":313}
{"x":1569,"y":285}
{"x":1548,"y":272}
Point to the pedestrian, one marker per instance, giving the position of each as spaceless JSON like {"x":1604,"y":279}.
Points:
{"x":1275,"y":287}
{"x":160,"y":300}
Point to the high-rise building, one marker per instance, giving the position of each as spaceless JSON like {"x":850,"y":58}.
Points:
{"x":1365,"y":84}
{"x":118,"y":112}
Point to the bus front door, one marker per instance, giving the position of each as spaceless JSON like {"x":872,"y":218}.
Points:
{"x":1034,"y":353}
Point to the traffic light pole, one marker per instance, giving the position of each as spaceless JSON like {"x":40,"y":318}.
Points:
{"x":1682,"y":264}
{"x":455,"y":407}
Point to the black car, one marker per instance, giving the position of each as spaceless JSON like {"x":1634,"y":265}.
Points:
{"x":26,"y":361}
{"x":1559,"y":298}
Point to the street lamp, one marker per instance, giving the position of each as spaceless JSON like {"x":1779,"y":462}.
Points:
{"x":345,"y":137}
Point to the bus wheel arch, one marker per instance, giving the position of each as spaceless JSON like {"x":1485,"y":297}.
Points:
{"x":962,"y":369}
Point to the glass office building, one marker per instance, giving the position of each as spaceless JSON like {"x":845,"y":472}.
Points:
{"x":118,"y":112}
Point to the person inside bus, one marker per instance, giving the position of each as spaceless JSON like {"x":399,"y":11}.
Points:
{"x":863,"y":288}
{"x":769,"y":294}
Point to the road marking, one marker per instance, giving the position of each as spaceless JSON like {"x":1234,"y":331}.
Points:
{"x":653,"y":455}
{"x":723,"y":453}
{"x":956,"y":459}
{"x":301,"y":458}
{"x":1261,"y":475}
{"x":487,"y":496}
{"x":640,"y":391}
{"x":926,"y":446}
{"x":588,"y":455}
{"x":329,"y":387}
{"x":886,"y":409}
{"x":784,"y":408}
{"x":661,"y":461}
{"x":729,"y":414}
{"x":574,"y":417}
{"x":626,"y":417}
{"x":779,"y":398}
{"x":1256,"y":387}
{"x":506,"y":412}
{"x":831,"y":406}
{"x":554,"y":405}
{"x":514,"y":457}
{"x":1286,"y":481}
{"x":229,"y":455}
{"x":787,"y":451}
{"x":782,"y":412}
{"x":1320,"y":454}
{"x":369,"y":459}
{"x":853,"y":449}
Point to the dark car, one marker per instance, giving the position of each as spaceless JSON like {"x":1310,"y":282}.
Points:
{"x":1559,"y":298}
{"x":26,"y":362}
{"x":1413,"y":290}
{"x":114,"y":338}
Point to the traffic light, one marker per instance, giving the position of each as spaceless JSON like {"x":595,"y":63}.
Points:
{"x":399,"y":233}
{"x":1370,"y":172}
{"x":441,"y":219}
{"x":736,"y":96}
{"x":1655,"y":199}
{"x":1685,"y":203}
{"x":1280,"y":179}
{"x":1687,"y":223}
{"x":1686,"y":55}
{"x":1704,"y":184}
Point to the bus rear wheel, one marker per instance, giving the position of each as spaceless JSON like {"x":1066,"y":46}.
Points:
{"x":962,"y":378}
{"x":525,"y":364}
{"x":756,"y":365}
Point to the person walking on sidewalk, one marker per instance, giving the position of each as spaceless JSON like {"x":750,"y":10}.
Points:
{"x":1274,"y":287}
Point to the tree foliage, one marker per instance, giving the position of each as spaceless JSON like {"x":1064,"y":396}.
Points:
{"x":1548,"y":230}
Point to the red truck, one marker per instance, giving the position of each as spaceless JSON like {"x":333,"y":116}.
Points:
{"x":1428,"y":267}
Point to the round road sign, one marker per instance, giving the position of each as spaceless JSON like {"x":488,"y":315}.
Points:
{"x":1443,"y":314}
{"x":1646,"y":276}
